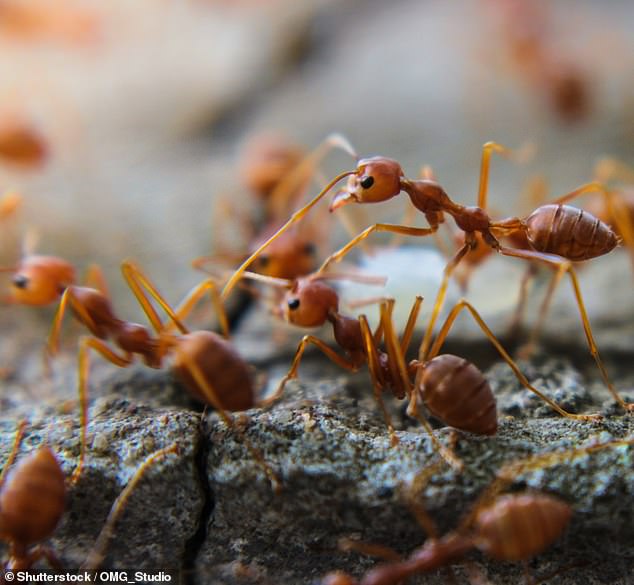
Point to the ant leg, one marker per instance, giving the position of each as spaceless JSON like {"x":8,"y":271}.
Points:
{"x":292,"y":373}
{"x":19,"y":434}
{"x":408,"y":218}
{"x":212,"y":398}
{"x":299,"y":214}
{"x":193,"y":297}
{"x":138,"y":282}
{"x":543,"y":311}
{"x":520,"y":308}
{"x":566,"y":266}
{"x":49,"y":554}
{"x":442,"y":335}
{"x":487,"y":150}
{"x":368,"y":549}
{"x":412,"y":493}
{"x":200,"y":262}
{"x":396,"y":361}
{"x":281,"y":200}
{"x":94,"y":278}
{"x":375,"y":374}
{"x":68,"y":296}
{"x":97,"y":553}
{"x":86,"y":344}
{"x":377,"y":227}
{"x":411,"y":324}
{"x":520,"y":155}
{"x":440,"y":299}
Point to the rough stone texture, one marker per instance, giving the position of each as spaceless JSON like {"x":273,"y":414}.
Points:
{"x":342,"y":479}
{"x":136,"y":165}
{"x":161,"y":517}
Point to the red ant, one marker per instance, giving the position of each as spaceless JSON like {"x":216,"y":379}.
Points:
{"x":20,"y":143}
{"x":278,"y":172}
{"x":207,"y":365}
{"x":558,"y":234}
{"x":526,"y":30}
{"x":452,"y":388}
{"x":37,"y":20}
{"x":33,"y":500}
{"x":510,"y":527}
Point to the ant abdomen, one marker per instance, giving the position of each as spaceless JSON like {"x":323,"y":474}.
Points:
{"x":217,"y":360}
{"x":32,"y":499}
{"x":457,"y":392}
{"x":569,"y":232}
{"x":518,"y":527}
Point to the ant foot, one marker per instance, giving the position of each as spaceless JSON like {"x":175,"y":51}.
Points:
{"x":595,"y":418}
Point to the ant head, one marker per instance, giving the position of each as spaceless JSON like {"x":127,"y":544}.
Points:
{"x":266,"y":160}
{"x":309,"y":303}
{"x":40,"y":280}
{"x":376,"y":179}
{"x":290,"y":256}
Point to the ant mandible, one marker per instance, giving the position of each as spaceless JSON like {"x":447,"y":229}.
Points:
{"x":33,"y":500}
{"x":206,"y":363}
{"x":558,"y":234}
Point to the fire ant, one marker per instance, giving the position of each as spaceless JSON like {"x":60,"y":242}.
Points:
{"x":558,"y":234}
{"x":33,"y":500}
{"x":506,"y":527}
{"x":527,"y":33}
{"x":207,"y":364}
{"x":514,"y":527}
{"x":20,"y":143}
{"x":453,"y":389}
{"x":278,"y":172}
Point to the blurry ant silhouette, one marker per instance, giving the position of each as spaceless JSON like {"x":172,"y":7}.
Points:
{"x":452,"y":388}
{"x":530,"y":47}
{"x":67,"y":22}
{"x":21,"y":144}
{"x":33,"y":499}
{"x":506,"y":527}
{"x":208,"y":366}
{"x":558,"y":234}
{"x":278,"y":172}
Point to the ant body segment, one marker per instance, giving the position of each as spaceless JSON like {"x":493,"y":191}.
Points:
{"x":514,"y":527}
{"x":33,"y":501}
{"x":207,"y":364}
{"x":278,"y":172}
{"x":506,"y":527}
{"x":557,"y":234}
{"x":452,"y":388}
{"x":21,"y":144}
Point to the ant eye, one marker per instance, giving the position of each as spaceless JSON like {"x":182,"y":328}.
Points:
{"x":367,"y":182}
{"x":310,"y":249}
{"x":20,"y":281}
{"x":264,"y":260}
{"x":293,"y":304}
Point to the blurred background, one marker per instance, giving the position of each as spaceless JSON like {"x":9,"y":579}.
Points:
{"x":143,"y":110}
